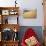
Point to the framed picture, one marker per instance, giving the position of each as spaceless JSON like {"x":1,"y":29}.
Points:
{"x":5,"y":12}
{"x":30,"y":13}
{"x":5,"y":19}
{"x":12,"y":20}
{"x":13,"y":12}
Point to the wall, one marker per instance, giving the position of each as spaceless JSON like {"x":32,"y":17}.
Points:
{"x":25,"y":4}
{"x":32,"y":5}
{"x":6,"y":3}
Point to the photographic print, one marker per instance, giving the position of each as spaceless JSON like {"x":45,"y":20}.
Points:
{"x":30,"y":13}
